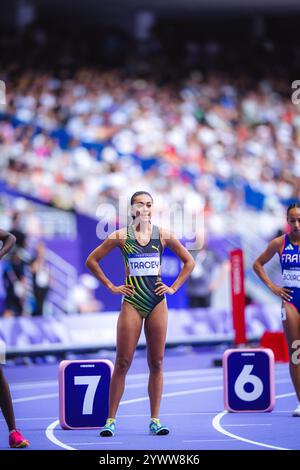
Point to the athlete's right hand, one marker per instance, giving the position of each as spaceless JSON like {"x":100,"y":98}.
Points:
{"x":123,"y":289}
{"x":282,"y":292}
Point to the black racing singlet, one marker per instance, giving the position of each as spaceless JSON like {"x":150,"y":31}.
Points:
{"x":144,"y":266}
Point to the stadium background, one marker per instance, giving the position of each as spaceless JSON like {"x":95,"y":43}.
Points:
{"x":190,"y":101}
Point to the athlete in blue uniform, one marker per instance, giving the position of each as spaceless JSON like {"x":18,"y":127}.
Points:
{"x":288,"y":248}
{"x":143,"y":301}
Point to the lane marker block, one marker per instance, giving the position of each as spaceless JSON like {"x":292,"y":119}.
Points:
{"x":249,"y":384}
{"x":84,"y":393}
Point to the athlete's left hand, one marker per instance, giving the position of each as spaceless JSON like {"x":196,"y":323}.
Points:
{"x":163,"y":289}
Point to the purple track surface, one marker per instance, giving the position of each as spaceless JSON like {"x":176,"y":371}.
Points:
{"x":192,"y":407}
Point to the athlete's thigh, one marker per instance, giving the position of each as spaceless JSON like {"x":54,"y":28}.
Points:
{"x":291,"y":324}
{"x":129,"y":328}
{"x":156,"y":330}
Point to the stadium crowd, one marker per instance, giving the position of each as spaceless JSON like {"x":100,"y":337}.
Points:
{"x":84,"y":135}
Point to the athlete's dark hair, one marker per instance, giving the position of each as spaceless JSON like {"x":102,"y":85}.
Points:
{"x":292,"y":206}
{"x":139,"y":193}
{"x":136,"y":194}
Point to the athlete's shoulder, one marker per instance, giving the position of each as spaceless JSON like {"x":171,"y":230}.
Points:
{"x":165,"y":233}
{"x":277,"y":243}
{"x":118,"y":235}
{"x":121,"y":232}
{"x":168,"y":238}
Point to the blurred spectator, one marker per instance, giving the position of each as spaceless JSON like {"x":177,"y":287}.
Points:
{"x":204,"y":281}
{"x":14,"y":284}
{"x":41,"y":279}
{"x":17,"y":231}
{"x":82,"y":298}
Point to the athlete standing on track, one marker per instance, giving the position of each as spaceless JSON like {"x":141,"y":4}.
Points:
{"x":15,"y":437}
{"x":288,"y":248}
{"x":143,"y":301}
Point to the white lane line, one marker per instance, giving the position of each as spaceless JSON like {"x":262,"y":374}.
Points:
{"x":217,"y":425}
{"x":33,"y":385}
{"x":34,"y":419}
{"x":284,"y":395}
{"x":282,"y":411}
{"x":50,"y":429}
{"x":36,"y":397}
{"x":183,"y":373}
{"x":178,"y":381}
{"x":50,"y":435}
{"x":173,"y":394}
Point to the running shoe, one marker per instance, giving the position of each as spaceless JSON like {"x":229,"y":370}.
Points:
{"x":157,"y":428}
{"x":16,"y":440}
{"x":296,"y":412}
{"x":109,"y":428}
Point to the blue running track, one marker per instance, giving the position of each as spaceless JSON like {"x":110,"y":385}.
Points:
{"x":192,"y":407}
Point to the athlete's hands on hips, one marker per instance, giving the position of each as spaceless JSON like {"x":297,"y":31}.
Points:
{"x":123,"y":289}
{"x":163,"y":289}
{"x":282,"y":292}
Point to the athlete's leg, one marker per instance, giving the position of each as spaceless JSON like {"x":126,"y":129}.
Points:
{"x":155,"y":332}
{"x":291,"y":325}
{"x":6,"y":402}
{"x":128,"y":332}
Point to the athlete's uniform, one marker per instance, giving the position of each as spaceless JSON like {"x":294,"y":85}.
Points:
{"x":143,"y":264}
{"x":143,"y":268}
{"x":290,"y":265}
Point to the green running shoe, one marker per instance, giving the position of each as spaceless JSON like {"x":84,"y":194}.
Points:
{"x":109,"y":428}
{"x":157,"y":428}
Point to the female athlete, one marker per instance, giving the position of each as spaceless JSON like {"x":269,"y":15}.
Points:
{"x":287,"y":246}
{"x":143,"y":301}
{"x":15,"y":437}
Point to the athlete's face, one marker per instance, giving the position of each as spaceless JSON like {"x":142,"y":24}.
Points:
{"x":142,"y":207}
{"x":293,"y":220}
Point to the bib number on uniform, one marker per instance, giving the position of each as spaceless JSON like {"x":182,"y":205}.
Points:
{"x":291,"y":278}
{"x":144,"y":264}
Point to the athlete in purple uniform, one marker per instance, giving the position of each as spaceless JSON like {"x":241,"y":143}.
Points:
{"x":15,"y":437}
{"x":288,"y":248}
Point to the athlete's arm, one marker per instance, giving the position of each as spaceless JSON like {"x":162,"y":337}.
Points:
{"x":188,"y":263}
{"x":92,"y":263}
{"x":8,"y":240}
{"x":258,"y":266}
